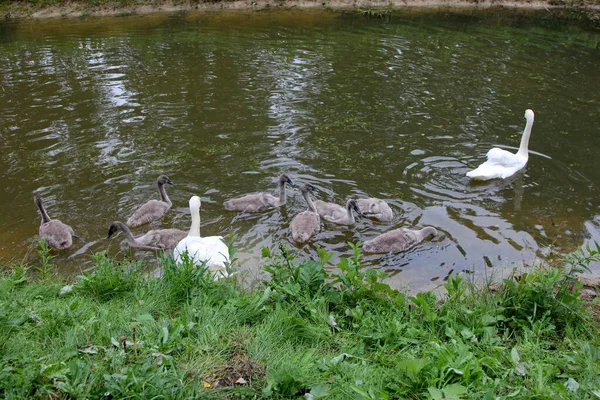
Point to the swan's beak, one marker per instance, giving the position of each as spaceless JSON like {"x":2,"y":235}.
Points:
{"x":170,"y":182}
{"x":291,"y":183}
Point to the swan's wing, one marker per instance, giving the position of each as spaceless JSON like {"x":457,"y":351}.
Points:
{"x":255,"y":202}
{"x":501,"y":157}
{"x":56,"y":234}
{"x":376,"y":208}
{"x":151,"y":211}
{"x":305,"y":225}
{"x":500,"y":164}
{"x":210,"y":250}
{"x":163,"y":238}
{"x":330,"y":211}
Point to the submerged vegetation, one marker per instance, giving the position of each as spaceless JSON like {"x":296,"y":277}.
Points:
{"x":308,"y":332}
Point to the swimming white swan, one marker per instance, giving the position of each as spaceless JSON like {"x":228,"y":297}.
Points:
{"x":337,"y":214}
{"x":375,"y":208}
{"x":210,"y":250}
{"x":56,"y":234}
{"x":153,"y":240}
{"x":398,"y":240}
{"x":258,"y":202}
{"x":501,"y":163}
{"x":307,"y":223}
{"x":153,"y":210}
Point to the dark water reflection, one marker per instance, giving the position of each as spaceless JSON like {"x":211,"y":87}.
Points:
{"x":399,"y":108}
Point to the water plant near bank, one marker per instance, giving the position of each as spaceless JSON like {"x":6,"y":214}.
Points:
{"x":311,"y":331}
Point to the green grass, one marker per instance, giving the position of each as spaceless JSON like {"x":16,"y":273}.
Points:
{"x":303,"y":334}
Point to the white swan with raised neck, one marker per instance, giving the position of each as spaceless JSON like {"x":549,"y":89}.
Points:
{"x":210,"y":250}
{"x":501,"y":163}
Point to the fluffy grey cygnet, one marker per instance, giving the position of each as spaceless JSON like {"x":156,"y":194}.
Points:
{"x":337,"y":214}
{"x":153,"y":240}
{"x":375,"y":208}
{"x":154,"y":209}
{"x":258,"y":202}
{"x":398,"y":240}
{"x":56,"y":233}
{"x":308,"y":223}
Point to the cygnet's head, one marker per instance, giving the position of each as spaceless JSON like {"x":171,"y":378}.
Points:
{"x":308,"y":188}
{"x":431,"y":231}
{"x":114,"y":227}
{"x":286,"y":179}
{"x":529,"y":115}
{"x":354,"y":205}
{"x":163,"y":179}
{"x":195,"y":203}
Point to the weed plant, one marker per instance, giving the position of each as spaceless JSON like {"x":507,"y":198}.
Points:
{"x":311,"y":332}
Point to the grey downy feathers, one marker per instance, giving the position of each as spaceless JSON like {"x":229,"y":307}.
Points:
{"x":308,"y":223}
{"x":154,"y":209}
{"x":337,"y":214}
{"x":56,"y":234}
{"x":153,"y":240}
{"x":258,"y":202}
{"x":375,"y":208}
{"x":398,"y":240}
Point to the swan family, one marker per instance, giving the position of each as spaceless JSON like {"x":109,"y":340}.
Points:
{"x":212,"y":252}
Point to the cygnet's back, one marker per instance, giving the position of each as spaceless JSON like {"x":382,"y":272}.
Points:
{"x":56,"y":234}
{"x":258,"y":202}
{"x":398,"y":240}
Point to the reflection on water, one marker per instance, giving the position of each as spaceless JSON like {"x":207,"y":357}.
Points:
{"x":93,"y":111}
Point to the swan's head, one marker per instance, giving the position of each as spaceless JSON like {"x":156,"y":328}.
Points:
{"x":195,"y":203}
{"x":529,"y":115}
{"x":430,"y":231}
{"x":354,"y":205}
{"x":163,"y":180}
{"x":286,"y":179}
{"x":308,"y":188}
{"x":114,"y":227}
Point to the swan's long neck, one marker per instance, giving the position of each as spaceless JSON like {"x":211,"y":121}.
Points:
{"x":523,"y":148}
{"x":163,"y":193}
{"x":128,"y":235}
{"x":195,"y":228}
{"x":311,"y":205}
{"x":282,"y":195}
{"x":427,"y":231}
{"x":45,"y":217}
{"x":350,"y":213}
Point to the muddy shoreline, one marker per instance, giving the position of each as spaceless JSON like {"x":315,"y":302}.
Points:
{"x":22,"y":10}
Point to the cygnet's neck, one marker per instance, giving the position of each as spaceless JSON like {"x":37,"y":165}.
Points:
{"x":311,"y":205}
{"x":163,"y":193}
{"x":282,"y":194}
{"x":350,"y":213}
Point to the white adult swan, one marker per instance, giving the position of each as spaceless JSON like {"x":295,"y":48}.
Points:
{"x":501,"y":163}
{"x":210,"y":249}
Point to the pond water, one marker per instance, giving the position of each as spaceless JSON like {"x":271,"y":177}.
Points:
{"x":398,"y":106}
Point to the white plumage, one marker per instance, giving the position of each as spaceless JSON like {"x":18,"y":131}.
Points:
{"x":210,"y":250}
{"x":501,"y":163}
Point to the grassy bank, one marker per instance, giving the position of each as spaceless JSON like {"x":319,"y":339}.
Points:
{"x":121,"y":334}
{"x":78,"y":8}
